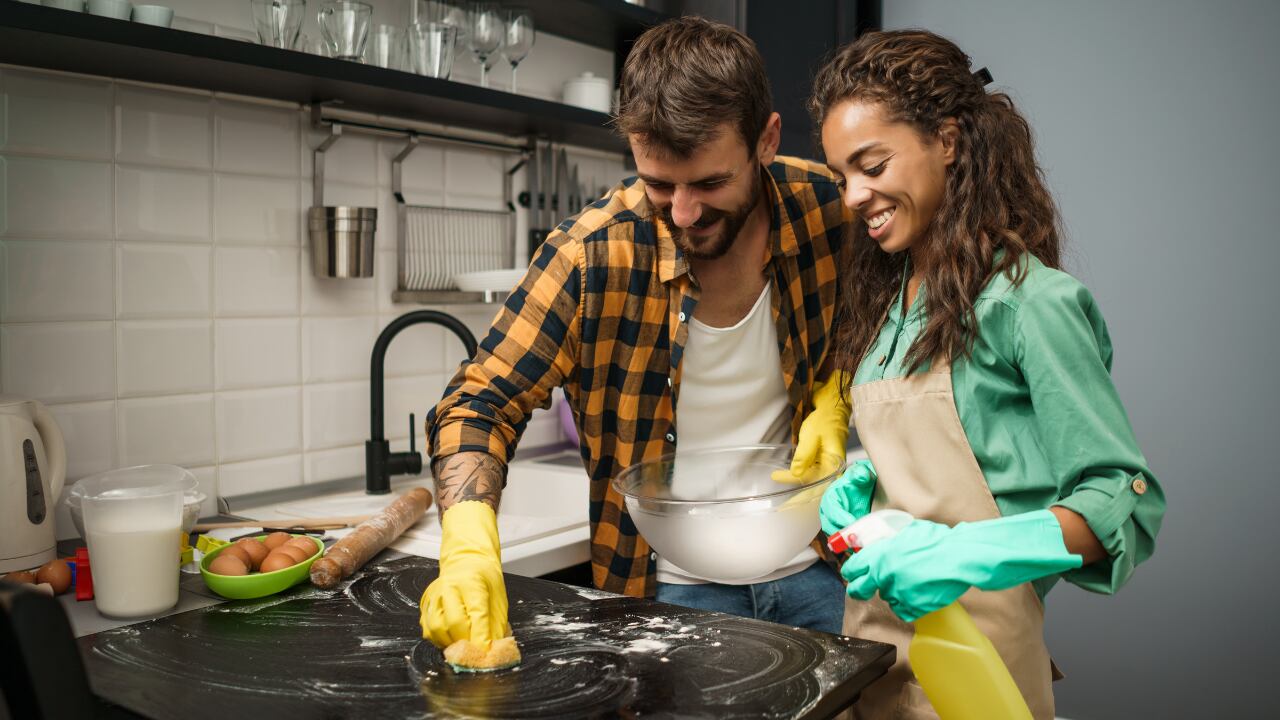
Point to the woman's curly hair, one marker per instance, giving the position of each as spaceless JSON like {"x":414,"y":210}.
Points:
{"x":995,"y":196}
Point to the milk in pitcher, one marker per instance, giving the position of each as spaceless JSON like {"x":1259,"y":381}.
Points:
{"x":134,"y":557}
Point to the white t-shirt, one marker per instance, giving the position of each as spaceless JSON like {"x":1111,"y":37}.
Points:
{"x":731,"y":390}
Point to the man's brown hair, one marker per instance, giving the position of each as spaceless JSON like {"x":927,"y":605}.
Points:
{"x":685,"y":78}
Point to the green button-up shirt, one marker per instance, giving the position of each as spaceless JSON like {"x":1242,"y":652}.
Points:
{"x":1044,"y":420}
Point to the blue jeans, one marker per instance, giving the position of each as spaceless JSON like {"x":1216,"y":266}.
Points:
{"x":812,"y":598}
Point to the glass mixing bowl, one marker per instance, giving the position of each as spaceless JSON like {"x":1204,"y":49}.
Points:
{"x":719,"y":514}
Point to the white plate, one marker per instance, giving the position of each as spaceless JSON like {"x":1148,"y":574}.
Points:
{"x":495,"y":280}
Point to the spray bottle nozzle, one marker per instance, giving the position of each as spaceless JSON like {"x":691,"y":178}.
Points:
{"x":870,"y":528}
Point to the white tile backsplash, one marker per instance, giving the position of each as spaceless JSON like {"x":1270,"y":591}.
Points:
{"x":256,"y":281}
{"x":163,"y":127}
{"x":341,"y":193}
{"x":257,"y":139}
{"x":335,"y":464}
{"x":257,"y":211}
{"x":353,"y":159}
{"x":157,"y":286}
{"x":256,"y":476}
{"x":259,"y":423}
{"x":52,"y":198}
{"x":156,"y":281}
{"x":164,"y":356}
{"x":474,"y":178}
{"x":89,"y":431}
{"x":406,"y":395}
{"x":336,"y":414}
{"x":334,"y":296}
{"x":175,"y":429}
{"x":58,"y":362}
{"x":422,"y":171}
{"x":154,"y":204}
{"x":56,"y":281}
{"x":257,"y":353}
{"x":337,"y":348}
{"x":417,"y":350}
{"x":54,"y":114}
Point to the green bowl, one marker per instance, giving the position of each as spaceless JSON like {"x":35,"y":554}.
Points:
{"x":256,"y":585}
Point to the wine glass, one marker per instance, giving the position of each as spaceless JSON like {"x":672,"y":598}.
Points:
{"x":485,"y":36}
{"x":518,"y":40}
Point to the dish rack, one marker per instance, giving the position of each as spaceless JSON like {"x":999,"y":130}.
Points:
{"x":434,"y":244}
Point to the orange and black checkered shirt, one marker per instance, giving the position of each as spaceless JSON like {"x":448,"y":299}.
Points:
{"x":603,"y":313}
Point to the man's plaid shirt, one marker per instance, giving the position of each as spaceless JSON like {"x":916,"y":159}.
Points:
{"x":603,"y":312}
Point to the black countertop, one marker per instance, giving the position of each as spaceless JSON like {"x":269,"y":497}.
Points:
{"x":356,"y":652}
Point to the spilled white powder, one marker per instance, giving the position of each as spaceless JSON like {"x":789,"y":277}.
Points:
{"x":557,"y":619}
{"x":646,"y":645}
{"x":380,"y":642}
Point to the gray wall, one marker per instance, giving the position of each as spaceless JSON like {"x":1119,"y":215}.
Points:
{"x":1156,"y":123}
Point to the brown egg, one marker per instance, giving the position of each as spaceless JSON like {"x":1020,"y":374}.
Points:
{"x":236,"y":551}
{"x":276,"y":539}
{"x":256,"y":550}
{"x":226,"y":564}
{"x":21,"y":576}
{"x":303,"y":543}
{"x":293,"y":551}
{"x":277,"y":560}
{"x":57,"y":574}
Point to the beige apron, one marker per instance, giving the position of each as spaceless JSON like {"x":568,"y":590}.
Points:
{"x":925,"y":466}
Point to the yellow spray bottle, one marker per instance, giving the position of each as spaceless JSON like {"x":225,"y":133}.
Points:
{"x":956,"y":665}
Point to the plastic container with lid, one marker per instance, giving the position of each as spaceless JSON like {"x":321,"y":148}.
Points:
{"x":133,"y":523}
{"x":590,"y":92}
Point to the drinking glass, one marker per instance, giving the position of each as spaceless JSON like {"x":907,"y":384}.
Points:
{"x":386,"y":47}
{"x":278,"y":21}
{"x":518,"y":40}
{"x":311,"y":45}
{"x":445,"y":12}
{"x":485,"y":35}
{"x":345,"y":27}
{"x":431,"y":49}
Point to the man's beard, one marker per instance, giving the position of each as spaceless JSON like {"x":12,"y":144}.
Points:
{"x":710,"y":247}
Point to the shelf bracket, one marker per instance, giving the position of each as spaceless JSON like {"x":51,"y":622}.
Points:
{"x":317,"y":176}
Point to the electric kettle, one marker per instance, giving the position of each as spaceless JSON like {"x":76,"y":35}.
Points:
{"x":33,"y":465}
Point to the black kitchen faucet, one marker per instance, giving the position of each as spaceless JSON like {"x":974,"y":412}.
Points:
{"x":379,"y":462}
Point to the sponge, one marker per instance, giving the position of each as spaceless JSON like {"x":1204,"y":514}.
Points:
{"x":466,"y":656}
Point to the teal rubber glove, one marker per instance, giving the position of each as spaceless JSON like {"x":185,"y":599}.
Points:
{"x":848,"y":498}
{"x":928,"y":566}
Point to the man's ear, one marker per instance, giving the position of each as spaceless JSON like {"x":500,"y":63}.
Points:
{"x":767,"y":145}
{"x":949,"y":136}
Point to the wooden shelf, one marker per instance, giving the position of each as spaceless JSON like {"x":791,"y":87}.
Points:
{"x":41,"y":37}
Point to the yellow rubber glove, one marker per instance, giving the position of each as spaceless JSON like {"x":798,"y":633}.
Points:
{"x":468,"y":601}
{"x":820,"y":447}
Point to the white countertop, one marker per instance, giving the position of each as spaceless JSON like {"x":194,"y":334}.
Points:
{"x":542,"y":525}
{"x":542,"y":519}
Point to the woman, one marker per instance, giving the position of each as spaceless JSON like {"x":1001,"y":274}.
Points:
{"x":980,"y":372}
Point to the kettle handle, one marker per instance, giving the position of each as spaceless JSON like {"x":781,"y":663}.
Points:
{"x":54,"y":448}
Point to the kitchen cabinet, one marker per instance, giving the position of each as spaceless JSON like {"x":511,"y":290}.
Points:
{"x":43,"y":37}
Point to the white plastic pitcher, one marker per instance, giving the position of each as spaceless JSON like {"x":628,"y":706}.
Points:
{"x":133,"y":524}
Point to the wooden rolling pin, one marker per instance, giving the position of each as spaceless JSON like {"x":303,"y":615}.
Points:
{"x":371,"y":536}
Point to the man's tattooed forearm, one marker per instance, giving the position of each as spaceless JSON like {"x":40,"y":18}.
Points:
{"x":468,"y":476}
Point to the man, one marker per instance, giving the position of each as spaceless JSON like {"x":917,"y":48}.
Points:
{"x":689,"y":307}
